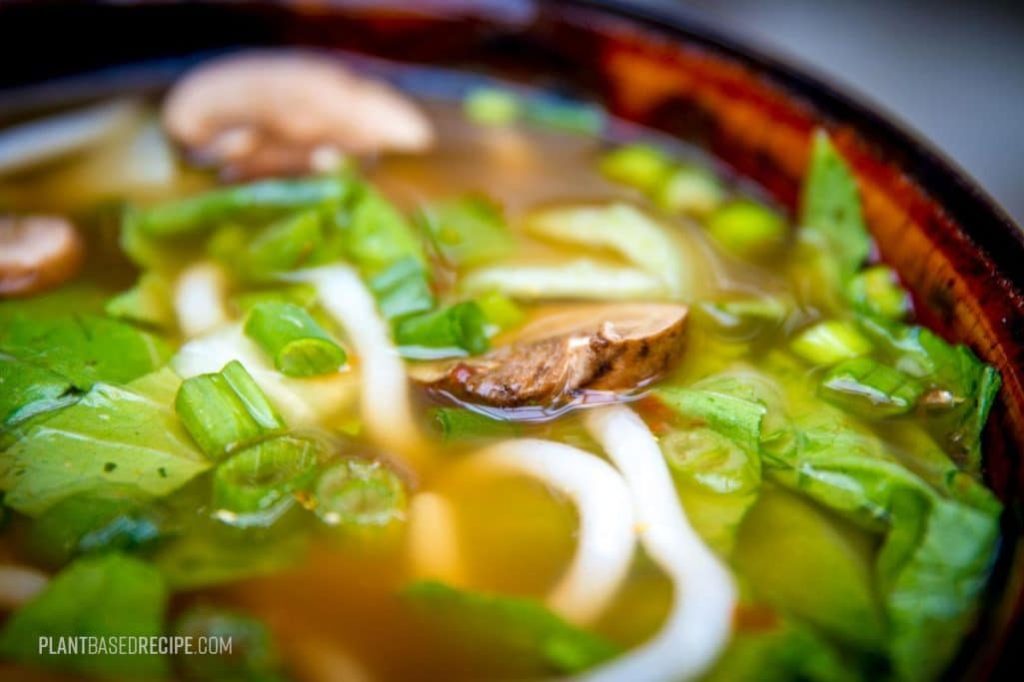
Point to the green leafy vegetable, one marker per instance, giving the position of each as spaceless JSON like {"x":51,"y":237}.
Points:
{"x":148,"y":302}
{"x":870,"y":389}
{"x":714,"y":454}
{"x":27,"y":390}
{"x":961,"y":391}
{"x":109,"y":519}
{"x":83,"y":349}
{"x":518,"y":631}
{"x":115,"y":435}
{"x":258,"y":483}
{"x":298,"y":345}
{"x":784,"y":651}
{"x":108,"y":596}
{"x":621,"y":228}
{"x":403,"y":289}
{"x":937,"y":551}
{"x":226,"y":410}
{"x":280,"y":247}
{"x":253,"y":656}
{"x":500,"y":311}
{"x":267,"y":199}
{"x":831,"y":206}
{"x":457,"y":330}
{"x":835,"y":559}
{"x":456,"y":423}
{"x":469,"y":230}
{"x":565,"y":115}
{"x":748,"y":229}
{"x":377,"y":235}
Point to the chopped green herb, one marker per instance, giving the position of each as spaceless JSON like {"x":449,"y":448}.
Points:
{"x":298,"y":345}
{"x":258,"y":483}
{"x":226,"y":411}
{"x":357,"y":496}
{"x":828,"y":342}
{"x":870,"y":389}
{"x":748,"y":229}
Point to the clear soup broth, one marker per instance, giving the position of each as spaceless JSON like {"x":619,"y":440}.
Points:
{"x":492,"y":386}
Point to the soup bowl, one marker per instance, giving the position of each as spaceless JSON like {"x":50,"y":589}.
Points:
{"x":954,"y":248}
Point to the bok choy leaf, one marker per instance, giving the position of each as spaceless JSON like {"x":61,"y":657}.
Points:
{"x":115,"y":435}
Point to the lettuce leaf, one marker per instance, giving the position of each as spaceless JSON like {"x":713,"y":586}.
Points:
{"x":115,"y":435}
{"x":107,"y":596}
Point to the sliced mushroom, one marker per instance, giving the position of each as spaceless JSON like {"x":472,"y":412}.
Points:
{"x":265,"y":114}
{"x":612,"y":347}
{"x":37,"y":253}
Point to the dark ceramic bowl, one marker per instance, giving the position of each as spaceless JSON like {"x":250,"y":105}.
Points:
{"x":959,"y":253}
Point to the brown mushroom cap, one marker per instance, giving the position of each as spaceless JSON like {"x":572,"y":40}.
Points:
{"x":613,"y":347}
{"x":286,"y":113}
{"x":37,"y":253}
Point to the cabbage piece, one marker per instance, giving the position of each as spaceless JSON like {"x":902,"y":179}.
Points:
{"x":114,"y":436}
{"x":105,"y":597}
{"x":579,"y":279}
{"x":621,"y":228}
{"x":516,"y":630}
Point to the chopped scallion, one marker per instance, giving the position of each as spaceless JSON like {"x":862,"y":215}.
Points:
{"x":870,"y":389}
{"x":263,"y":478}
{"x":226,"y":411}
{"x":826,"y":343}
{"x":299,"y":346}
{"x":747,"y":229}
{"x":456,"y":330}
{"x":358,"y":495}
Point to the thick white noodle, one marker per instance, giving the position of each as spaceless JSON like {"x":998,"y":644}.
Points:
{"x":385,"y":403}
{"x":433,"y":540}
{"x":302,"y":402}
{"x":607,"y":529}
{"x":199,"y":299}
{"x":700,"y":621}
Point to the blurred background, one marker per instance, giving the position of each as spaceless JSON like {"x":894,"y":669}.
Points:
{"x":952,"y":70}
